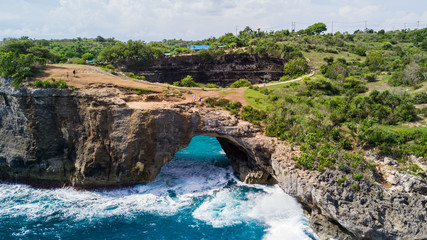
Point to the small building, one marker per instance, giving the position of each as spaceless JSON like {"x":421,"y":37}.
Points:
{"x":199,"y":47}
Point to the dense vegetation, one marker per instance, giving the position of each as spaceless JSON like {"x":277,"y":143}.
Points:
{"x":354,"y":103}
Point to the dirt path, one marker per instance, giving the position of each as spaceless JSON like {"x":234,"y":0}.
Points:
{"x":89,"y":77}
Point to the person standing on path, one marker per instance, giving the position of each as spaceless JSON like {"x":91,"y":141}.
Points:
{"x":74,"y":73}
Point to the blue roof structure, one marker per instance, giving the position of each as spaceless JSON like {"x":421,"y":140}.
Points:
{"x":199,"y":47}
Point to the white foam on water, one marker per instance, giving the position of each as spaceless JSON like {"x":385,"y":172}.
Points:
{"x":174,"y":189}
{"x":279,"y":212}
{"x":77,"y":205}
{"x":222,"y":209}
{"x":282,"y":213}
{"x":182,"y":178}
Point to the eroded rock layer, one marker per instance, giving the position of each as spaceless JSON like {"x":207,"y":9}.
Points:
{"x":222,"y":70}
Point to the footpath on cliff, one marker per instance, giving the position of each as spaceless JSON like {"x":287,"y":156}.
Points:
{"x":90,"y":78}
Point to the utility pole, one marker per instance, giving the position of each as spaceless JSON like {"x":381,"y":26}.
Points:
{"x":418,"y":24}
{"x":236,"y":30}
{"x":366,"y":25}
{"x":293,"y":26}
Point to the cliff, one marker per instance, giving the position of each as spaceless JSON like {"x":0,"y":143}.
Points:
{"x":222,"y":70}
{"x":87,"y":139}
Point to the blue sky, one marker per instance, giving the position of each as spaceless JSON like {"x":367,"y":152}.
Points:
{"x":150,"y":20}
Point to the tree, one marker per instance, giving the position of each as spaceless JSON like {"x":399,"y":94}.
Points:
{"x":413,"y":74}
{"x":336,"y":69}
{"x":87,"y":56}
{"x":316,"y":28}
{"x":100,"y":39}
{"x":296,"y":67}
{"x":374,"y":60}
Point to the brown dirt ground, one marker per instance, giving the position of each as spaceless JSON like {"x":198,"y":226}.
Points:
{"x":90,"y":76}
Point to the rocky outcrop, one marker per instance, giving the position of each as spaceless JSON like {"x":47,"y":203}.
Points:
{"x":94,"y":139}
{"x":56,"y":137}
{"x":222,"y":70}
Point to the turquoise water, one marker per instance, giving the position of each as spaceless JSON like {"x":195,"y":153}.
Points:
{"x":196,"y":196}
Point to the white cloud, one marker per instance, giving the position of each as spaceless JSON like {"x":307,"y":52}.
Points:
{"x":191,"y":19}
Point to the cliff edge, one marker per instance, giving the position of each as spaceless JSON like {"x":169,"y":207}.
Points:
{"x":93,"y":138}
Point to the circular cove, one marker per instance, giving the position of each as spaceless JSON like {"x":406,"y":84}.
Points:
{"x":196,"y":196}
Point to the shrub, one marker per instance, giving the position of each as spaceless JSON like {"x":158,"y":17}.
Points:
{"x":253,"y":115}
{"x":371,"y":77}
{"x":358,"y":177}
{"x":355,"y":188}
{"x":109,"y":66}
{"x":61,"y":83}
{"x":80,"y":61}
{"x":38,"y":83}
{"x":211,"y":85}
{"x":188,"y":81}
{"x":341,"y":180}
{"x":240,"y":83}
{"x":360,"y":51}
{"x":296,"y":67}
{"x":232,"y":106}
{"x":420,"y":98}
{"x":46,"y":84}
{"x":50,"y":83}
{"x":284,"y":78}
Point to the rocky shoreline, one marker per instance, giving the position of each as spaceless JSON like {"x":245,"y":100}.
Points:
{"x":54,"y":138}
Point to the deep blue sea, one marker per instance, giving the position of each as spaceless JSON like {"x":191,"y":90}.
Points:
{"x":196,"y":196}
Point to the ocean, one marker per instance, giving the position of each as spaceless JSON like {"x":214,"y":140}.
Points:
{"x":195,"y":196}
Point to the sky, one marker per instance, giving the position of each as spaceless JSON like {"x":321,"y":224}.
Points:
{"x":154,"y":20}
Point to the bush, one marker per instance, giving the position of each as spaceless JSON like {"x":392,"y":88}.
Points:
{"x":46,"y":84}
{"x":284,"y":78}
{"x":50,"y":83}
{"x":109,"y":66}
{"x":296,"y":67}
{"x":371,"y":77}
{"x":188,"y":81}
{"x":240,"y":83}
{"x":211,"y":85}
{"x":80,"y":61}
{"x":232,"y":106}
{"x":253,"y":115}
{"x":358,"y":177}
{"x":360,"y":51}
{"x":38,"y":83}
{"x":355,"y":188}
{"x":341,"y":180}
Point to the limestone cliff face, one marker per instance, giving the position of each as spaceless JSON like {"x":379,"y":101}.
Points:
{"x":222,"y":70}
{"x":69,"y":137}
{"x":61,"y":137}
